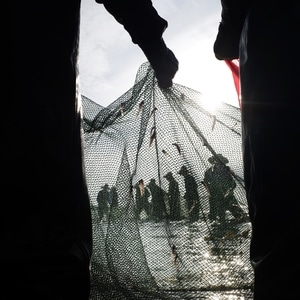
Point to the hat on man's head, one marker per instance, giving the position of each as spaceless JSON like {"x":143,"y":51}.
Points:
{"x":218,"y":157}
{"x":183,"y":170}
{"x":152,"y":181}
{"x":168,"y":175}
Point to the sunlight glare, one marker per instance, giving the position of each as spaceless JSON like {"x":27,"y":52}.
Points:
{"x":210,"y":104}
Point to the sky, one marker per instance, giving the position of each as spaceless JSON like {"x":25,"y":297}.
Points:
{"x":109,"y":61}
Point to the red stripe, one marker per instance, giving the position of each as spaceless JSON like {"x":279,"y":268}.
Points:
{"x":234,"y":67}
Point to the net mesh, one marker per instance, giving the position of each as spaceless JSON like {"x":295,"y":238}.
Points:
{"x":165,"y":178}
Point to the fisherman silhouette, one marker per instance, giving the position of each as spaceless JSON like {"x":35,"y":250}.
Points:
{"x":158,"y":201}
{"x":220,"y":185}
{"x":173,"y":196}
{"x":103,"y":199}
{"x":191,"y":194}
{"x":113,"y":197}
{"x":142,"y":195}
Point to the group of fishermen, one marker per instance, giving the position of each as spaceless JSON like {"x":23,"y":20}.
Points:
{"x":154,"y":203}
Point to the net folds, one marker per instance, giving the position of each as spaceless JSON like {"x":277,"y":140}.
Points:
{"x":165,"y":178}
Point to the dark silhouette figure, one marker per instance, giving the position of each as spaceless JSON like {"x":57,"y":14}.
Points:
{"x":113,"y":197}
{"x":262,"y":35}
{"x":115,"y":212}
{"x":158,"y":201}
{"x":173,"y":196}
{"x":191,"y":194}
{"x":220,"y":185}
{"x":103,"y":200}
{"x":49,"y":242}
{"x":142,"y":198}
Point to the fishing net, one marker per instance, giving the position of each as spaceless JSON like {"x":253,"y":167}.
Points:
{"x":165,"y":177}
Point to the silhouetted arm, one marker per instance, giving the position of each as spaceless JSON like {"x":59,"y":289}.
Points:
{"x":145,"y":27}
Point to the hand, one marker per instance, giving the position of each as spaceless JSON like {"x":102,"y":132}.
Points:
{"x":166,"y":70}
{"x":226,"y":45}
{"x":163,"y":62}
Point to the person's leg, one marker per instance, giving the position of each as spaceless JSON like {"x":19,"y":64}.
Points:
{"x":213,"y":209}
{"x":270,"y":110}
{"x":47,"y":233}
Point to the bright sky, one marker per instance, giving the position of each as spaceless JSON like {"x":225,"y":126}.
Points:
{"x":109,"y":61}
